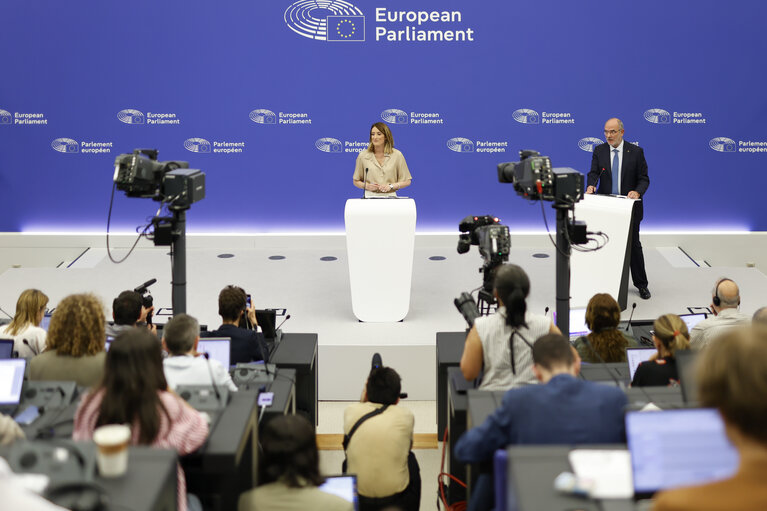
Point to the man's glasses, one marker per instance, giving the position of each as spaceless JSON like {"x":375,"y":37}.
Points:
{"x":612,"y":132}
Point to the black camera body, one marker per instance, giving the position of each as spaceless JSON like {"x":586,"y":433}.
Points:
{"x":534,"y":178}
{"x":486,"y":232}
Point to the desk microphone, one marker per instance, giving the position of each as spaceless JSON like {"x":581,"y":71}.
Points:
{"x":33,"y":350}
{"x":633,"y":308}
{"x":283,"y":322}
{"x":365,"y":184}
{"x":546,"y":311}
{"x":599,"y":177}
{"x":212,"y":380}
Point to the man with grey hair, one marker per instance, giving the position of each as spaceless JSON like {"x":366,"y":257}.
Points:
{"x":184,"y":366}
{"x":725,"y":304}
{"x":619,"y":168}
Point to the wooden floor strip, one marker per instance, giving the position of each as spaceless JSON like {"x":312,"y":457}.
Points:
{"x":334,"y":442}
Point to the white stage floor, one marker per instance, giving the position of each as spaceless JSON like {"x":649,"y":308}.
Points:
{"x":316,"y":292}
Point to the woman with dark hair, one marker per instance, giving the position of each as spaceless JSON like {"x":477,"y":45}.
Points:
{"x":75,"y":343}
{"x":732,"y":377}
{"x":24,"y":328}
{"x":290,"y":471}
{"x":502,"y":342}
{"x":606,"y":340}
{"x":134,"y":391}
{"x":380,"y":169}
{"x":670,"y":335}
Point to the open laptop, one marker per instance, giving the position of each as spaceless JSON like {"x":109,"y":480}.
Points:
{"x":344,"y":486}
{"x":636,"y":356}
{"x":217,"y":348}
{"x":6,"y":348}
{"x":578,"y":326}
{"x":11,"y":382}
{"x":674,"y":448}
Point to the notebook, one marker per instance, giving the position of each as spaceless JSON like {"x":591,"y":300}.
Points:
{"x":344,"y":486}
{"x":636,"y":356}
{"x":217,"y":348}
{"x":674,"y":448}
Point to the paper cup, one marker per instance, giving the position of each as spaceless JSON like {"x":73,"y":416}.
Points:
{"x":112,"y":442}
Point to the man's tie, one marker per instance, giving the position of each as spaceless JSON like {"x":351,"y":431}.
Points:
{"x":616,"y":170}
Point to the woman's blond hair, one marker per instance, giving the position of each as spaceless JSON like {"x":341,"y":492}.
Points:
{"x":29,"y":305}
{"x":77,"y":327}
{"x":672,"y":332}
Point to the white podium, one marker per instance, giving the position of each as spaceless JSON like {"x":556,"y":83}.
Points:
{"x":607,"y":269}
{"x":380,"y":236}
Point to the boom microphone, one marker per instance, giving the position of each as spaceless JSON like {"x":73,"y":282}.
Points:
{"x":633,"y":308}
{"x":143,"y":287}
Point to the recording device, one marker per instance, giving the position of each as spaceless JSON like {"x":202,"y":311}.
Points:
{"x":139,"y":174}
{"x":494,"y":245}
{"x":467,"y":307}
{"x":204,"y":398}
{"x":251,"y":373}
{"x":146,"y":299}
{"x":534,"y":179}
{"x":248,"y":302}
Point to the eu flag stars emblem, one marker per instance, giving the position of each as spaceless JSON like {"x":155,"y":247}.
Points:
{"x":346,"y":28}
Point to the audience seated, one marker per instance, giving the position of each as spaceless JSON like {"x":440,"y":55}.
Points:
{"x":670,"y":336}
{"x":379,"y":450}
{"x":128,"y":312}
{"x":501,"y":343}
{"x":565,"y":410}
{"x":725,"y":304}
{"x":732,"y":377}
{"x":290,"y":471}
{"x":28,"y":337}
{"x":75,"y":344}
{"x":606,"y":340}
{"x":134,"y":391}
{"x":247,"y":345}
{"x":185,"y":366}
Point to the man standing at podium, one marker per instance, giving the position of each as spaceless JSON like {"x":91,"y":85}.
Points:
{"x":620,"y":169}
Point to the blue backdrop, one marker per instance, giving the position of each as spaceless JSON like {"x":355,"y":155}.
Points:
{"x":272,"y":99}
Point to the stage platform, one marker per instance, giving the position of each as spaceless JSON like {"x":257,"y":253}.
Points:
{"x":308,"y":276}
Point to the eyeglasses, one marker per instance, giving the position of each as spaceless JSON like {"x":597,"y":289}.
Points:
{"x":612,"y":132}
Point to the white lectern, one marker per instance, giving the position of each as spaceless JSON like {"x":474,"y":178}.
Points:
{"x":605,"y":270}
{"x":380,"y":236}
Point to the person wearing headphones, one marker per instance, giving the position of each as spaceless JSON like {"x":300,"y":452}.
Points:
{"x":502,"y":343}
{"x":725,"y":305}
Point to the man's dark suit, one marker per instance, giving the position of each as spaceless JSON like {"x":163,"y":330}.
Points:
{"x":633,"y":177}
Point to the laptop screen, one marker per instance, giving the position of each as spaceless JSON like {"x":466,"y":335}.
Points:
{"x":577,"y":323}
{"x":674,"y":448}
{"x":636,"y":356}
{"x":46,"y":321}
{"x":217,"y":348}
{"x":342,"y":486}
{"x":692,"y":319}
{"x":6,"y":348}
{"x":11,"y":380}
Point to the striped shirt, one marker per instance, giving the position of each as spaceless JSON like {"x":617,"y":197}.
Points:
{"x":494,"y":335}
{"x":185,"y":433}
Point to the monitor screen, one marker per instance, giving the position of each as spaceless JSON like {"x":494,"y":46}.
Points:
{"x":577,"y":323}
{"x":217,"y":348}
{"x":6,"y":348}
{"x":673,"y":448}
{"x":46,"y":321}
{"x":342,"y":486}
{"x":11,"y":380}
{"x":636,"y":356}
{"x":692,"y":319}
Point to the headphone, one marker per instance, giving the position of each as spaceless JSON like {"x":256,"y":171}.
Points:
{"x":716,"y":300}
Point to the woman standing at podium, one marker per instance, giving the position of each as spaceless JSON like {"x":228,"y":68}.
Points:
{"x":381,"y":170}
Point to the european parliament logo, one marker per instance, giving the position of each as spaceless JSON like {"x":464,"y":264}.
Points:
{"x":5,"y":117}
{"x":130,"y":116}
{"x":657,"y":116}
{"x":329,"y":145}
{"x":526,"y":116}
{"x":326,"y":20}
{"x":197,"y":145}
{"x":395,"y":116}
{"x":65,"y":145}
{"x":722,"y":144}
{"x":589,"y":143}
{"x":460,"y":145}
{"x":263,"y":116}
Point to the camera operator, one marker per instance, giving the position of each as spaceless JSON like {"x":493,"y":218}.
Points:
{"x":128,"y":312}
{"x":247,"y":345}
{"x":503,"y":342}
{"x":380,"y":439}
